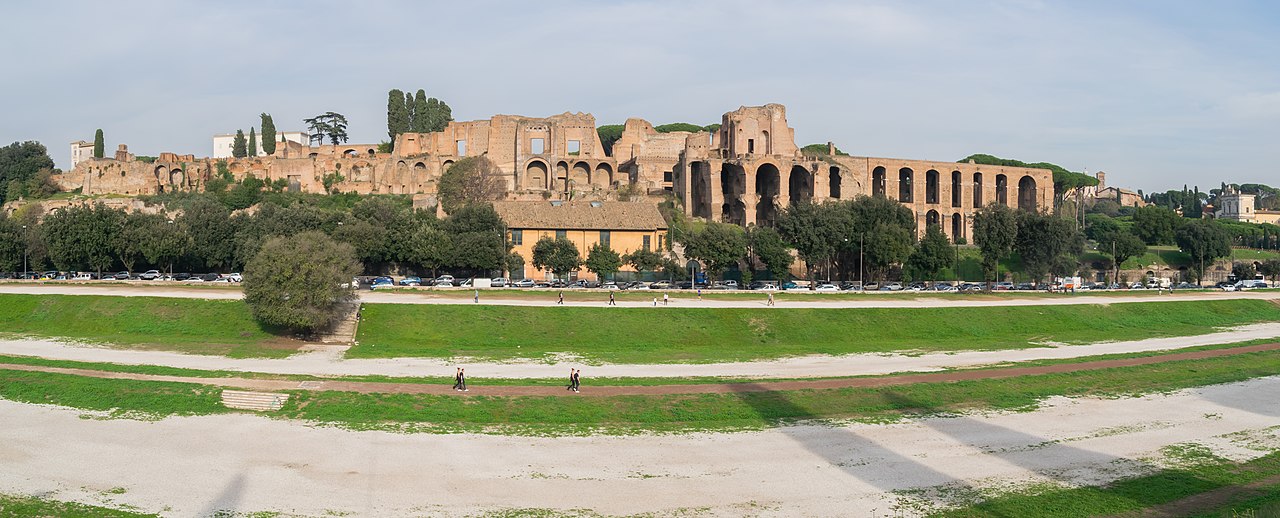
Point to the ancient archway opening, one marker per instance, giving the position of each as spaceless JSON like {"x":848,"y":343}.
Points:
{"x":956,"y":195}
{"x":906,"y":185}
{"x":1002,"y":190}
{"x":799,"y":185}
{"x":878,"y":182}
{"x":700,"y":189}
{"x":833,"y":183}
{"x":768,"y":186}
{"x":1027,"y":194}
{"x":733,"y":184}
{"x":931,"y":186}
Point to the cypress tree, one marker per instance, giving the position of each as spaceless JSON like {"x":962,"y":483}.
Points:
{"x":409,"y":109}
{"x":268,"y":135}
{"x":253,"y":142}
{"x":239,"y":146}
{"x":397,"y":115}
{"x":444,"y":115}
{"x":422,"y":114}
{"x":99,"y":145}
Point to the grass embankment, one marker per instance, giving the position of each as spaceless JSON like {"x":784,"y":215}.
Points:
{"x":666,"y":335}
{"x":223,"y":327}
{"x":1199,"y":472}
{"x":628,"y":414}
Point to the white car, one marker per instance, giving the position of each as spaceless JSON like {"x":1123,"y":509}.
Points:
{"x":82,"y":276}
{"x":827,"y":287}
{"x":149,"y":275}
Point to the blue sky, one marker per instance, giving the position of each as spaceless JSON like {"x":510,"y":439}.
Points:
{"x":1158,"y":94}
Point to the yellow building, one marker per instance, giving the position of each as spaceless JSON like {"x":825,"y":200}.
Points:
{"x":623,"y":226}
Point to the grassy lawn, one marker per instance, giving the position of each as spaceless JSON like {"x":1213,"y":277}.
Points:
{"x":1200,"y":472}
{"x":723,"y":334}
{"x":11,"y":505}
{"x":185,"y":325}
{"x":631,"y":414}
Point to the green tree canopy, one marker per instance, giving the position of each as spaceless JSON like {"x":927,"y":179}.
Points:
{"x":1063,"y":180}
{"x":297,"y":281}
{"x":329,"y":125}
{"x":83,"y":237}
{"x":717,"y":246}
{"x":678,"y":126}
{"x":1048,"y":244}
{"x":22,"y":163}
{"x":995,"y":229}
{"x":99,"y":144}
{"x":1270,"y":269}
{"x":423,"y":112}
{"x":1122,"y":245}
{"x":609,"y":134}
{"x":932,"y":254}
{"x":767,"y":245}
{"x":602,"y":261}
{"x":1205,"y":241}
{"x":1156,"y":225}
{"x":268,"y":134}
{"x":556,"y":254}
{"x":643,"y":260}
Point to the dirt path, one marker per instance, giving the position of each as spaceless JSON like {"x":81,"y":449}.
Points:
{"x":583,"y":298}
{"x":197,"y":466}
{"x":328,"y":361}
{"x":478,"y":388}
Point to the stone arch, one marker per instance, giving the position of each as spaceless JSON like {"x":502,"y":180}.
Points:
{"x":371,"y":152}
{"x":161,"y":173}
{"x":932,"y":218}
{"x":977,"y":190}
{"x":733,"y":185}
{"x":906,"y":185}
{"x":603,"y":175}
{"x":799,"y":185}
{"x":560,"y":182}
{"x":313,"y":155}
{"x":177,"y":178}
{"x":700,"y":189}
{"x":402,"y":167}
{"x":445,"y":166}
{"x":580,"y":175}
{"x":957,"y":196}
{"x":878,"y":181}
{"x":768,"y":186}
{"x":957,"y":227}
{"x":833,"y":183}
{"x":1002,"y":190}
{"x":1027,"y":193}
{"x":535,"y":175}
{"x":931,"y":187}
{"x":350,"y":153}
{"x":766,"y":148}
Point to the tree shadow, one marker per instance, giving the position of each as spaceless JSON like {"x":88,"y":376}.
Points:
{"x":1256,"y":400}
{"x":227,"y":501}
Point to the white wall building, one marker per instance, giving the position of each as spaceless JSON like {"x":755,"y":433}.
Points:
{"x":81,"y":151}
{"x":222,"y":143}
{"x":1236,"y":206}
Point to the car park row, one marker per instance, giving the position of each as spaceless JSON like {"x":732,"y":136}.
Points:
{"x":149,"y":275}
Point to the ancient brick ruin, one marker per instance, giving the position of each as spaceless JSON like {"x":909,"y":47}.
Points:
{"x":743,"y":173}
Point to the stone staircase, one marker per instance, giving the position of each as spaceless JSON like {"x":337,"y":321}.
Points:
{"x":344,"y":330}
{"x":258,"y":401}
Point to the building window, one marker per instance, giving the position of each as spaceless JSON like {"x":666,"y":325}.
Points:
{"x":604,"y":238}
{"x":573,"y":147}
{"x":751,"y":145}
{"x":537,"y":146}
{"x":517,"y":237}
{"x":561,"y":234}
{"x":645,"y":245}
{"x":462,"y":148}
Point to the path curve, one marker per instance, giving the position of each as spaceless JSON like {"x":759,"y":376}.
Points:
{"x":477,"y":387}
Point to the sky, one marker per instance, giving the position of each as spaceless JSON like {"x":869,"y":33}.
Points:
{"x":1156,"y":93}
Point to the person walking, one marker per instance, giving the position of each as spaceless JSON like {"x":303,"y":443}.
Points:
{"x":477,"y":297}
{"x":560,"y":300}
{"x":457,"y":379}
{"x":699,"y":294}
{"x":770,"y":301}
{"x":574,"y":379}
{"x":462,"y":379}
{"x":665,"y":298}
{"x":570,"y":385}
{"x":612,"y":302}
{"x":655,"y":302}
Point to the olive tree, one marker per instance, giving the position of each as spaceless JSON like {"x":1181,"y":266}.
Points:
{"x":298,"y":281}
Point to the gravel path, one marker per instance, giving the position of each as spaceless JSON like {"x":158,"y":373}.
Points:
{"x":795,"y":300}
{"x":323,"y":360}
{"x":477,"y":387}
{"x":196,"y":466}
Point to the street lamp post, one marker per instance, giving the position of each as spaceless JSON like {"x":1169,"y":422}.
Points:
{"x":862,"y":285}
{"x":26,"y":248}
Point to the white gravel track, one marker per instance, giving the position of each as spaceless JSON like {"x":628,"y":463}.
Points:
{"x":196,"y":466}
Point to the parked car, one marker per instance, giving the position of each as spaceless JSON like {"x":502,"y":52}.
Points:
{"x":234,"y":277}
{"x":660,"y":285}
{"x":443,"y":278}
{"x":789,"y":285}
{"x":637,"y":285}
{"x":82,"y":276}
{"x":892,"y":286}
{"x":411,"y":280}
{"x":523,"y":283}
{"x":1137,"y":286}
{"x":584,"y":283}
{"x":850,"y":286}
{"x":827,"y":287}
{"x":610,"y":285}
{"x":382,"y":282}
{"x":1003,"y":286}
{"x":499,"y":282}
{"x":442,"y":283}
{"x":149,"y":275}
{"x":121,"y":276}
{"x":209,"y":277}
